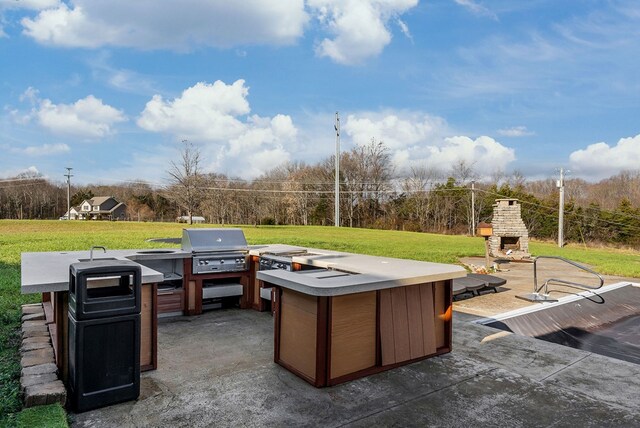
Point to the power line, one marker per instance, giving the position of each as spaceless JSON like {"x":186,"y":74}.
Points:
{"x":613,"y":223}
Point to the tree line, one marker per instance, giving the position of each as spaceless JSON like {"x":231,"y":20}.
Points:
{"x":372,"y":195}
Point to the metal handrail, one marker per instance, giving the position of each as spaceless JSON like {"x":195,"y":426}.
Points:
{"x":536,"y":289}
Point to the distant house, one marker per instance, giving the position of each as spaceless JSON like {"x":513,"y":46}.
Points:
{"x":72,"y":215}
{"x":195,"y":218}
{"x":98,"y":208}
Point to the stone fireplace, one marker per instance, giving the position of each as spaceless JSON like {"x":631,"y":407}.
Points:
{"x":510,"y":238}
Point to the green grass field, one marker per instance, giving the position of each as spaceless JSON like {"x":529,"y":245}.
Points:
{"x":17,"y":237}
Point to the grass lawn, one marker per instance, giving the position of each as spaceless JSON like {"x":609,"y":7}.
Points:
{"x":26,"y":236}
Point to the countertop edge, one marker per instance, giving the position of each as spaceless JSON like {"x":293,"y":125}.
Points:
{"x":292,"y":281}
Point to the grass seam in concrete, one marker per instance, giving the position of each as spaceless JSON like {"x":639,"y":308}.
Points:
{"x":483,"y":372}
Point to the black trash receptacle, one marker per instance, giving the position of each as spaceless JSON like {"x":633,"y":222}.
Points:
{"x":104,"y":333}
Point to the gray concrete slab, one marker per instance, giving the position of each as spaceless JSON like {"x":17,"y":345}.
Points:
{"x":519,"y":278}
{"x":217,"y":370}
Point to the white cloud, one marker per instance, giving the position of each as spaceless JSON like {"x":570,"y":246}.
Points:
{"x":88,"y":117}
{"x":30,"y":94}
{"x":203,"y":112}
{"x":121,"y":79}
{"x":177,"y":25}
{"x":405,"y":29}
{"x":44,"y":150}
{"x":515,"y":131}
{"x":476,"y":8}
{"x":417,"y":139}
{"x":215,"y":115}
{"x":28,"y":4}
{"x":23,"y":4}
{"x":397,"y":130}
{"x":485,"y":154}
{"x":359,"y":27}
{"x":600,"y":160}
{"x":31,"y":171}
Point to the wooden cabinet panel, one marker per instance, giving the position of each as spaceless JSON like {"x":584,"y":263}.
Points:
{"x":298,"y":332}
{"x":148,"y":325}
{"x":400,"y":324}
{"x":440,"y":313}
{"x":170,"y":301}
{"x":414,"y":316}
{"x":386,"y":328}
{"x":410,"y":328}
{"x":353,"y":333}
{"x":428,"y":321}
{"x":191,"y":298}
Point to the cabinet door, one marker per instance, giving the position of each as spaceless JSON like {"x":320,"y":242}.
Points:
{"x":353,"y":333}
{"x":411,"y":325}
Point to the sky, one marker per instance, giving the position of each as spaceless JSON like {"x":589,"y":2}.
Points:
{"x":112,"y":87}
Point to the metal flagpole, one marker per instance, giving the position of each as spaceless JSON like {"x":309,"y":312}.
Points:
{"x":337,"y":161}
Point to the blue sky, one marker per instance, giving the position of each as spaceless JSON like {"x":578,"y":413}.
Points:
{"x":110,"y":88}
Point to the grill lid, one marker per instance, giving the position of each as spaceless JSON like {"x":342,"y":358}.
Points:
{"x":207,"y":240}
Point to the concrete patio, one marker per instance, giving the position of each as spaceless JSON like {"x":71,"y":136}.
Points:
{"x":217,"y":369}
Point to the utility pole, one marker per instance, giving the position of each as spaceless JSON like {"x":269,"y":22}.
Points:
{"x":68,"y":175}
{"x":560,"y":185}
{"x":473,"y":207}
{"x":336,"y":210}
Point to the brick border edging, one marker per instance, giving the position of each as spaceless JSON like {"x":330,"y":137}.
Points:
{"x":39,"y":381}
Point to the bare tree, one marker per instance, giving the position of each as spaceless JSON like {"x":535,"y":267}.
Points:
{"x":186,"y":180}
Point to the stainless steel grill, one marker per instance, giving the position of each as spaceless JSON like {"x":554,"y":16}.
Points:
{"x":280,"y":260}
{"x":216,"y":250}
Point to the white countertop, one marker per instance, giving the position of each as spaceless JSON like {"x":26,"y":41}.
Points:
{"x":45,"y":272}
{"x":349,"y":273}
{"x":355,"y":273}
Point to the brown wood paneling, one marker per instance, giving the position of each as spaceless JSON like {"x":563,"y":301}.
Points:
{"x":245,"y":303}
{"x":170,"y":301}
{"x":191,"y":297}
{"x":414,"y":316}
{"x":353,"y":333}
{"x":387,"y":346}
{"x":257,"y":284}
{"x":298,"y":323}
{"x":323,"y":344}
{"x":440,"y":313}
{"x":254,"y":287}
{"x":47,"y":306}
{"x":428,"y":318}
{"x":146,"y":325}
{"x":400,"y":324}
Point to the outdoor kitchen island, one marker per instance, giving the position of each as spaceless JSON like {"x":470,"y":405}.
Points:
{"x":337,"y":316}
{"x":344,"y":316}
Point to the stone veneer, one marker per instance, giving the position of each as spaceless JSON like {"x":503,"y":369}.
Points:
{"x":39,"y":380}
{"x":509,"y":231}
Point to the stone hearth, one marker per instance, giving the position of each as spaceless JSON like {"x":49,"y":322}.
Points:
{"x":510,"y":238}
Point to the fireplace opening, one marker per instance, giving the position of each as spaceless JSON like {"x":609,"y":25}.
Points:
{"x":510,"y":243}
